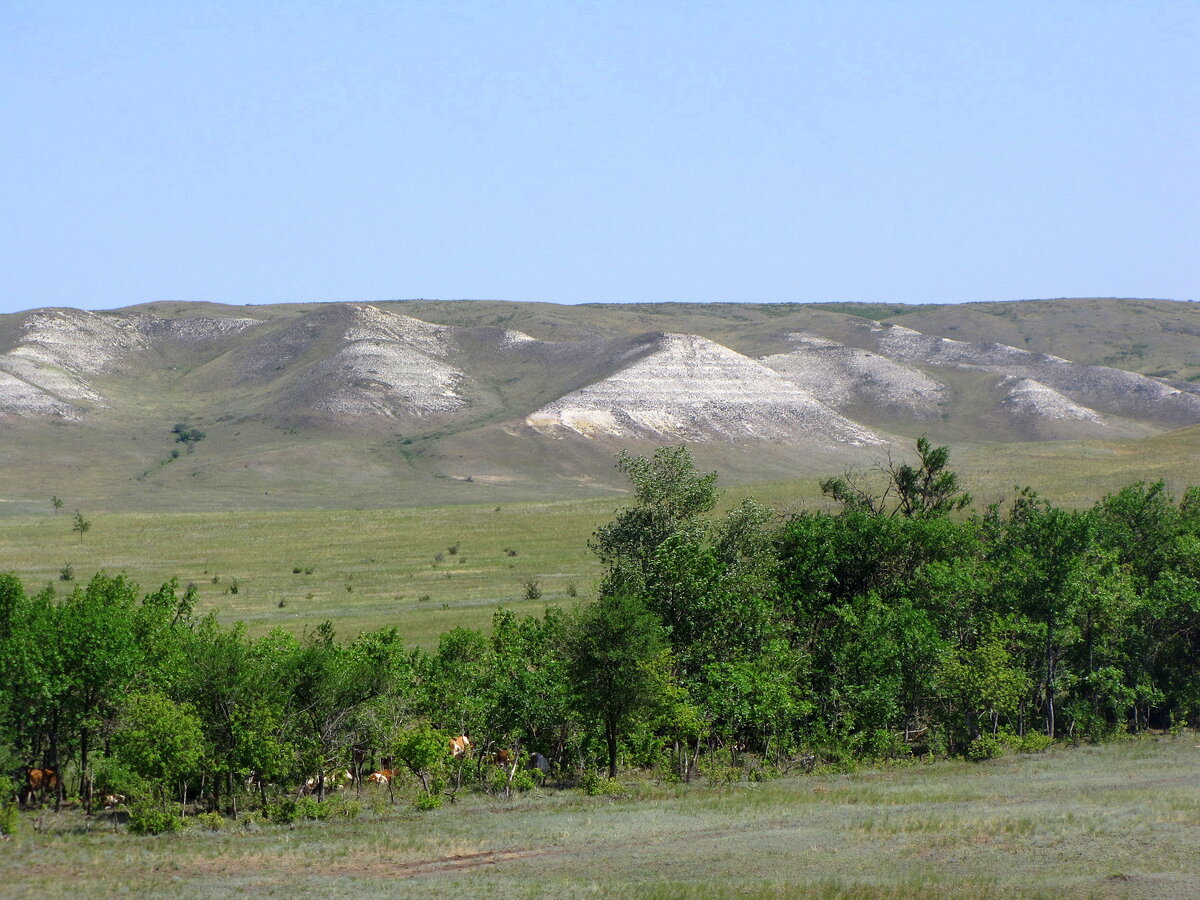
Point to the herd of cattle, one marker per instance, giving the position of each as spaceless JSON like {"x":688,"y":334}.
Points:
{"x":36,"y":784}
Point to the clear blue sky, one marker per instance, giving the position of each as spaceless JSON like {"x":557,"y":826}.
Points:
{"x":595,"y":151}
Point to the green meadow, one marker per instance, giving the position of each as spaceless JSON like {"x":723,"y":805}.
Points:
{"x":1115,"y":821}
{"x":424,"y":570}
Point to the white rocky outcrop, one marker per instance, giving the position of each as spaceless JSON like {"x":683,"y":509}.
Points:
{"x":390,"y":365}
{"x":691,"y":387}
{"x":1101,"y":388}
{"x":1027,"y":397}
{"x":839,"y":375}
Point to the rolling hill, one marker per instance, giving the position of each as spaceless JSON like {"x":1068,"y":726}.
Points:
{"x":350,"y":404}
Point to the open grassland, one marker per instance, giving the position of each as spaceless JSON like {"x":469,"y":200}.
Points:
{"x":1115,"y":821}
{"x":426,"y":569}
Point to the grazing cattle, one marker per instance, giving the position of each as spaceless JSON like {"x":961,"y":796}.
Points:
{"x":460,"y":746}
{"x":38,"y":781}
{"x":113,"y":800}
{"x":503,"y":757}
{"x":538,"y":763}
{"x":383,"y":776}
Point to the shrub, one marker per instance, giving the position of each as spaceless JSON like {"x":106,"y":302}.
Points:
{"x":233,"y":587}
{"x":570,"y":589}
{"x":532,"y":588}
{"x":453,"y":548}
{"x":509,"y":551}
{"x":66,"y":573}
{"x":595,"y":785}
{"x":308,"y":571}
{"x":345,"y":809}
{"x":984,"y":747}
{"x":282,"y":812}
{"x":424,"y":598}
{"x":312,"y":808}
{"x":149,"y":818}
{"x":1034,"y":742}
{"x":427,"y":801}
{"x":296,"y":570}
{"x":282,"y":602}
{"x":10,"y":819}
{"x":213,"y":821}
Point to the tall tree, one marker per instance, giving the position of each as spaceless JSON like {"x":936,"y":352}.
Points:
{"x":619,"y":666}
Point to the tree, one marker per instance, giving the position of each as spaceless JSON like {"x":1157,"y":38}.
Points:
{"x":670,"y":497}
{"x":57,"y":503}
{"x":81,"y":525}
{"x":160,"y":740}
{"x":927,"y":490}
{"x":618,"y":664}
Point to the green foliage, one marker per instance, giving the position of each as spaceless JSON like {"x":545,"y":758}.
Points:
{"x":595,"y":785}
{"x":210,"y":821}
{"x":159,"y":739}
{"x":187,"y":435}
{"x":151,"y":818}
{"x":887,"y":630}
{"x":618,"y":664}
{"x":426,"y":802}
{"x":283,"y":812}
{"x":1034,"y":742}
{"x":80,"y":525}
{"x":984,"y":747}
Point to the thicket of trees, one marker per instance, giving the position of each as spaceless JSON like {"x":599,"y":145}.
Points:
{"x":898,"y":624}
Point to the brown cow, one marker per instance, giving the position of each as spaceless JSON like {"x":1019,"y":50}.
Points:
{"x":460,"y":746}
{"x":38,"y":781}
{"x":503,"y":757}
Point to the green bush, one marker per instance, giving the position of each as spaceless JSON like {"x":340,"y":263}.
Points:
{"x":213,"y":821}
{"x":312,"y":808}
{"x":427,"y":801}
{"x":10,"y":819}
{"x":1034,"y":742}
{"x":282,"y":812}
{"x":149,"y":818}
{"x":984,"y":747}
{"x":345,"y":809}
{"x":598,"y":786}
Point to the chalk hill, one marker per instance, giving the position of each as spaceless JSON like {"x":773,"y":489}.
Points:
{"x":416,"y":399}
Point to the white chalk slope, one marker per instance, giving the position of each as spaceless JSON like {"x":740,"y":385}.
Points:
{"x":690,"y":387}
{"x":842,"y":376}
{"x":389,"y":365}
{"x":49,"y":371}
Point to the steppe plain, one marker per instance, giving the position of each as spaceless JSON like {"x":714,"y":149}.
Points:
{"x":420,"y":463}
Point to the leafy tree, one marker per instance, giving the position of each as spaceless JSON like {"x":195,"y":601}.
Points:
{"x":670,"y":496}
{"x":57,"y":503}
{"x":160,"y":740}
{"x":619,"y":665}
{"x":81,"y":525}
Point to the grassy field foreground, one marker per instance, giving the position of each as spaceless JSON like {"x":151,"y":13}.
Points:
{"x":1121,"y":820}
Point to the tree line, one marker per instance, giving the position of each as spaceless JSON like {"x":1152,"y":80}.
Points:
{"x":899,"y":622}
